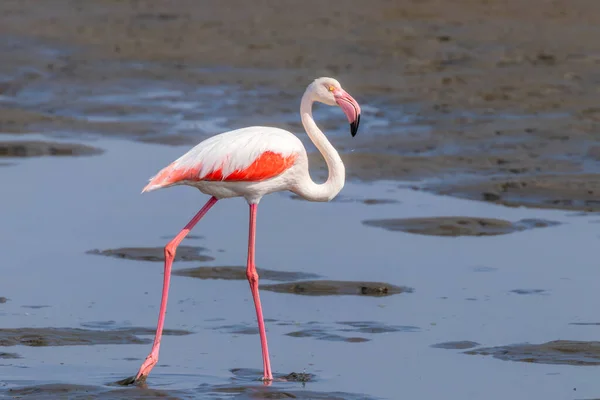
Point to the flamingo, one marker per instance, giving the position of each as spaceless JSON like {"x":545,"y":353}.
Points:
{"x":252,"y":162}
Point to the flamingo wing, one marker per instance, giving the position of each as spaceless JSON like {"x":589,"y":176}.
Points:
{"x":247,"y":154}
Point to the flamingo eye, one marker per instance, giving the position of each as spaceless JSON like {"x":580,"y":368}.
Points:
{"x":331,"y":88}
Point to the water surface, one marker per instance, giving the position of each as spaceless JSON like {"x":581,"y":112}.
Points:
{"x":58,"y":209}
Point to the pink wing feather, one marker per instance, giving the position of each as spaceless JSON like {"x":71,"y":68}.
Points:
{"x":249,"y":154}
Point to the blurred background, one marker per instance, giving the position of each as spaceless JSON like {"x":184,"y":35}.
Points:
{"x":480,"y":125}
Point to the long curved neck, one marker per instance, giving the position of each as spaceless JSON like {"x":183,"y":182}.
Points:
{"x":337,"y":173}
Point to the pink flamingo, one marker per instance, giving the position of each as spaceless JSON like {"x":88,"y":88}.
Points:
{"x":252,"y":162}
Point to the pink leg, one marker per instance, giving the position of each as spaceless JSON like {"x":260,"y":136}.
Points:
{"x":170,"y":250}
{"x":253,"y":280}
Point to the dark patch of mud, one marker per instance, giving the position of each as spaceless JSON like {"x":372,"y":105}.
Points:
{"x":460,"y":345}
{"x":3,"y":300}
{"x":42,"y":337}
{"x":274,"y":392}
{"x":74,"y":391}
{"x":457,"y":226}
{"x":529,"y":291}
{"x":41,"y":149}
{"x":336,"y":288}
{"x":35,"y":307}
{"x":238,"y":329}
{"x":585,"y":323}
{"x":239,"y":273}
{"x":376,"y":202}
{"x":565,"y":352}
{"x":374,"y":327}
{"x":440,"y":95}
{"x":565,"y":191}
{"x":184,"y":253}
{"x":325,"y":334}
{"x":9,"y":356}
{"x":335,"y":333}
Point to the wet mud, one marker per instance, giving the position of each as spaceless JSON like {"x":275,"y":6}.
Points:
{"x":322,"y":334}
{"x":460,"y":345}
{"x":239,"y":273}
{"x":568,"y":192}
{"x":3,"y":300}
{"x":339,"y":331}
{"x":9,"y":356}
{"x":73,"y":391}
{"x":376,"y":202}
{"x":336,"y":288}
{"x":458,"y":226}
{"x":442,"y":102}
{"x":238,"y":329}
{"x":255,"y":392}
{"x":41,"y":337}
{"x":374,"y":327}
{"x":58,"y":391}
{"x":36,"y":307}
{"x":40,"y":149}
{"x":565,"y":352}
{"x":529,"y":291}
{"x":184,"y":253}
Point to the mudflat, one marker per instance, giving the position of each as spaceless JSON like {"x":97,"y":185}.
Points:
{"x":464,"y":91}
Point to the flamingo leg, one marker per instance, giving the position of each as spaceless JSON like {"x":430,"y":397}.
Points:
{"x":170,"y":250}
{"x":252,"y":276}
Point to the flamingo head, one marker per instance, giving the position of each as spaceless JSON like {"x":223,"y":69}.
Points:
{"x":330,"y":92}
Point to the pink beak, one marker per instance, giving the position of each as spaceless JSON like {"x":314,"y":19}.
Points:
{"x":350,"y":108}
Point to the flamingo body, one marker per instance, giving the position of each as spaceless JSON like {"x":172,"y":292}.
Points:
{"x":248,"y":162}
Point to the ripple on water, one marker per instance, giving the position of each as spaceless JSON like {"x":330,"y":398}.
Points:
{"x":335,"y":332}
{"x":244,"y":383}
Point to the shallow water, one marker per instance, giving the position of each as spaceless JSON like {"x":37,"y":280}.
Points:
{"x":58,"y":209}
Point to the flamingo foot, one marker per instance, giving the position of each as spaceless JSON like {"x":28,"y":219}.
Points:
{"x":146,"y":367}
{"x":143,"y":372}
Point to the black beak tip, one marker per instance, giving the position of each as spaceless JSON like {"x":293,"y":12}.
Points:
{"x":354,"y":126}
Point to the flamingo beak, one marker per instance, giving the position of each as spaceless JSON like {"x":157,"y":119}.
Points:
{"x":350,"y":108}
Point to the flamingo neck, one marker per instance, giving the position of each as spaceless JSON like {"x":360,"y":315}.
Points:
{"x":337,"y":173}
